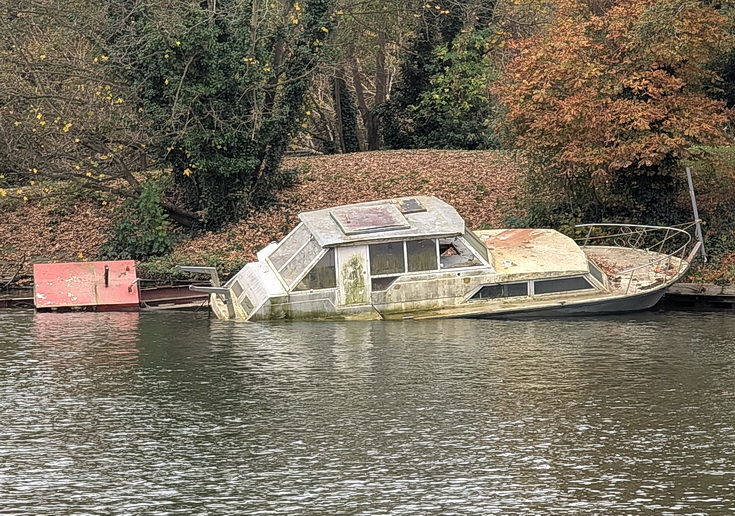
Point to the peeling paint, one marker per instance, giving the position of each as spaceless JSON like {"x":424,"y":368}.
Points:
{"x":85,"y":284}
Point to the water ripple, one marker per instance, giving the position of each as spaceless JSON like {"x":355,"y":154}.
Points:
{"x":173,"y":413}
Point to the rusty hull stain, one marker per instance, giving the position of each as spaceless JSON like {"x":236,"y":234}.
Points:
{"x":512,"y":237}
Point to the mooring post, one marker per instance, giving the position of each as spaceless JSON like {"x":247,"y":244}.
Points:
{"x":698,"y":230}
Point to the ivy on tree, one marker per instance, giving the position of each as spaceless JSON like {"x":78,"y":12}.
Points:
{"x":221,"y":87}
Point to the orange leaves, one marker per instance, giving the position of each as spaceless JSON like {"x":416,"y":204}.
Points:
{"x":619,"y":90}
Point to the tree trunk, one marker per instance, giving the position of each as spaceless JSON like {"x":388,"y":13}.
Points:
{"x":338,"y":112}
{"x":181,"y":216}
{"x":381,"y":74}
{"x":369,"y":119}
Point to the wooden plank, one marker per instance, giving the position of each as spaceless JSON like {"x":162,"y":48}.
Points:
{"x":700,"y":289}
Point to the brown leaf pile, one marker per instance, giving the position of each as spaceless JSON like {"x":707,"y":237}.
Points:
{"x":476,"y":183}
{"x":50,"y":231}
{"x":473,"y":182}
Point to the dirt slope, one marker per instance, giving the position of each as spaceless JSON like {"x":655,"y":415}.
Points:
{"x":475,"y":183}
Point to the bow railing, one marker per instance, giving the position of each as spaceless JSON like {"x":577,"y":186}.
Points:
{"x":666,"y":246}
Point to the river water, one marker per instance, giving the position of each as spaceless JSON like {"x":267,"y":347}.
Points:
{"x":174,"y":413}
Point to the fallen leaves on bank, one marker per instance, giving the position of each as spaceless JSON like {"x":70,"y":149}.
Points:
{"x":477,"y":183}
{"x":37,"y":233}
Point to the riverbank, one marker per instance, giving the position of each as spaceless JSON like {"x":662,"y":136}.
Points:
{"x":482,"y":185}
{"x":478,"y":183}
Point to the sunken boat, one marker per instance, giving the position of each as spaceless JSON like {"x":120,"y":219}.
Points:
{"x":414,"y":257}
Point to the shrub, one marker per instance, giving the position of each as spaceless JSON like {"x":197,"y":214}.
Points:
{"x":141,"y":228}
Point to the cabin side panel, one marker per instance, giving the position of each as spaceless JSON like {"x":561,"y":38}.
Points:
{"x":429,"y":292}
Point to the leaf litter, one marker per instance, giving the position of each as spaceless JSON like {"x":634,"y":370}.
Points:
{"x":479,"y":184}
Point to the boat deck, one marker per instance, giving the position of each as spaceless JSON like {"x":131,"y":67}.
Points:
{"x":632,"y":271}
{"x":528,"y":251}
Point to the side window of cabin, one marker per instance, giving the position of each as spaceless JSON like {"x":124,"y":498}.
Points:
{"x":553,"y":286}
{"x":502,"y":290}
{"x":386,"y":258}
{"x":421,"y":255}
{"x":453,"y":252}
{"x":322,"y":275}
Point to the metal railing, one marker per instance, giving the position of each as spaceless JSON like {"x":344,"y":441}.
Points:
{"x":664,"y":243}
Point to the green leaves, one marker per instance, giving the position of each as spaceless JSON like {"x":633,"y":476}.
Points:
{"x":221,"y":85}
{"x":443,"y":99}
{"x":141,"y":228}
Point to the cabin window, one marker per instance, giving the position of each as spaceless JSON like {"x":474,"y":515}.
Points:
{"x":300,"y":261}
{"x":502,"y":290}
{"x":246,"y":304}
{"x":421,"y":255}
{"x":384,"y":283}
{"x":294,"y":241}
{"x":242,"y":296}
{"x":453,"y":252}
{"x":553,"y":286}
{"x":596,"y":273}
{"x":387,"y":258}
{"x":322,"y":275}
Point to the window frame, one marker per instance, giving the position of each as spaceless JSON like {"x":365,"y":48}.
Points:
{"x":370,"y":259}
{"x":562,"y":278}
{"x":291,"y":283}
{"x":311,"y":267}
{"x":438,"y":265}
{"x":296,"y":234}
{"x":435,"y":241}
{"x":469,"y":247}
{"x":473,"y":297}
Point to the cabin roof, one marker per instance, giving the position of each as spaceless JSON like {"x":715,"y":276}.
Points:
{"x":402,"y":218}
{"x":520,"y":251}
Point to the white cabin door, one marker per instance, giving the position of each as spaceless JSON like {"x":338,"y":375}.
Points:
{"x":352,"y":277}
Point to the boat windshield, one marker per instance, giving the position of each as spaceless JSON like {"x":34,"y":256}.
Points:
{"x":290,"y":245}
{"x":596,"y":272}
{"x":295,"y":254}
{"x":477,"y":245}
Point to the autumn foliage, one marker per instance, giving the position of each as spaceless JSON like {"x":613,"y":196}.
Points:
{"x":617,"y":95}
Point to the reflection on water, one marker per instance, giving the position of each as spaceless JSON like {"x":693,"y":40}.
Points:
{"x":174,"y":413}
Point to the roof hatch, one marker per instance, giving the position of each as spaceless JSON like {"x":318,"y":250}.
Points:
{"x":359,"y":219}
{"x":402,"y":218}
